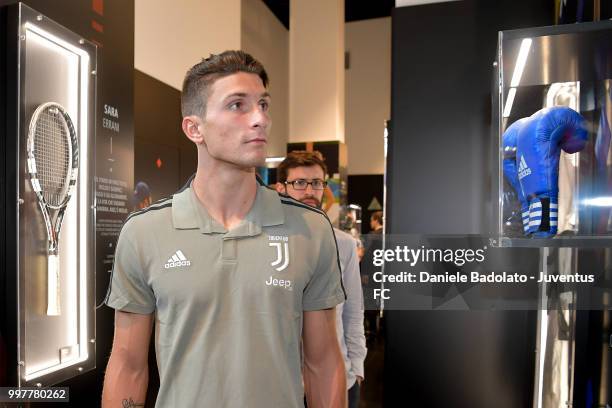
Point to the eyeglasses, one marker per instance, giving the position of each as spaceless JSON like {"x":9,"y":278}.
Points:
{"x":302,"y":184}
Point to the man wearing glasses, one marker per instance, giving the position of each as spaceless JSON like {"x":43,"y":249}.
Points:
{"x":302,"y":176}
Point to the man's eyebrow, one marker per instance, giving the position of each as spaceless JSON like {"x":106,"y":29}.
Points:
{"x":244,"y":95}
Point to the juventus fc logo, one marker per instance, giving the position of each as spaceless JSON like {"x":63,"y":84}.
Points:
{"x":281,"y":244}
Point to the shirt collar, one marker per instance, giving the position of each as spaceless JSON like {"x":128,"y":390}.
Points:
{"x":189,"y":213}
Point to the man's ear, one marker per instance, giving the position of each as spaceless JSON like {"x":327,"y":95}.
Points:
{"x":280,"y":188}
{"x":192,"y":126}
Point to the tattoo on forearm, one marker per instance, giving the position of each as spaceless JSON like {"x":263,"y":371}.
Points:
{"x":129,"y":403}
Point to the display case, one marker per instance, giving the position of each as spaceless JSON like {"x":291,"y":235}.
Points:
{"x":48,"y":272}
{"x":552,"y":114}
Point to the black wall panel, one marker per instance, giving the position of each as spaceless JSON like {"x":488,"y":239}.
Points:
{"x":158,"y":135}
{"x":110,"y":25}
{"x":439,"y":171}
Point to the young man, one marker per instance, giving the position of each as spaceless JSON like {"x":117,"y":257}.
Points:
{"x":228,"y":271}
{"x":302,"y":176}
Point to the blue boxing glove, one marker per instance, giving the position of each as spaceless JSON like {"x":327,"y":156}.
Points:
{"x":509,"y":140}
{"x":538,"y":149}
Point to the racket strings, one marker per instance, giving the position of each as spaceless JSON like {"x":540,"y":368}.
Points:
{"x":52,"y":155}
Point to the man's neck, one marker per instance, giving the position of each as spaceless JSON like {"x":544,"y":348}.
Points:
{"x":227,"y":193}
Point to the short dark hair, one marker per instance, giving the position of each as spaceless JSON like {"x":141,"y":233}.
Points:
{"x":299,"y":158}
{"x":377,"y":216}
{"x":202,"y":75}
{"x":141,"y":191}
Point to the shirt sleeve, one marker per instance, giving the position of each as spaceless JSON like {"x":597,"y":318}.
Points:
{"x":128,"y":290}
{"x":325,"y":290}
{"x":352,"y":314}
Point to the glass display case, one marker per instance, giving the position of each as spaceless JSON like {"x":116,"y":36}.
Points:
{"x":50,"y":242}
{"x":552,"y":126}
{"x":552,"y":115}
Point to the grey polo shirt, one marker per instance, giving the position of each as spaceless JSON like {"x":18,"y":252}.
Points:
{"x":228,"y":304}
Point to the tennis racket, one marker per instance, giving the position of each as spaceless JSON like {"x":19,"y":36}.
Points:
{"x":53,"y":163}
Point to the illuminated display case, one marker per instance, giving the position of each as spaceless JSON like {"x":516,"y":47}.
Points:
{"x":552,"y":130}
{"x":552,"y":115}
{"x":49,"y":241}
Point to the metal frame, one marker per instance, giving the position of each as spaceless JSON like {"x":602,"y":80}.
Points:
{"x":85,"y":212}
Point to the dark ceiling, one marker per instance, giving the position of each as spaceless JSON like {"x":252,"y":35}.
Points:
{"x":353,"y":9}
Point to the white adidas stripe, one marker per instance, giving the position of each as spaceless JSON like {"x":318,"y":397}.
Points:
{"x":178,"y":256}
{"x":177,"y":260}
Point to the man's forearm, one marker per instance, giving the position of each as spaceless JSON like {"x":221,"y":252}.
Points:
{"x":325,"y":382}
{"x":124,"y":386}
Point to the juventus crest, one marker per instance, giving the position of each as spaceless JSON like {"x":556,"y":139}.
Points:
{"x":281,"y":255}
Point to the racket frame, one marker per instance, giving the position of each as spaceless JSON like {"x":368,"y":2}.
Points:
{"x":53,"y":227}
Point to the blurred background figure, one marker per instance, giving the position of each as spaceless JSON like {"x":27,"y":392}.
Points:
{"x":376,"y":222}
{"x":142,"y":196}
{"x":372,"y":242}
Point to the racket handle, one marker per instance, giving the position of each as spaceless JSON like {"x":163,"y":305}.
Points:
{"x":53,"y":286}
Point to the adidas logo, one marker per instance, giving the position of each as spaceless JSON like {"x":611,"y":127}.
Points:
{"x":178,"y":259}
{"x":523,"y":170}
